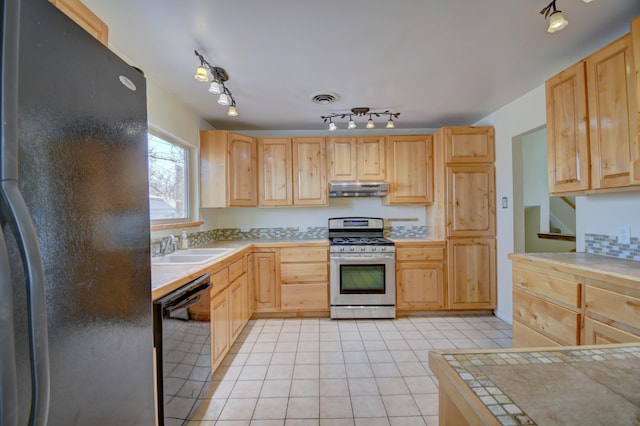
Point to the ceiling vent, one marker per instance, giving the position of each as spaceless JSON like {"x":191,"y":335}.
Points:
{"x":325,"y":98}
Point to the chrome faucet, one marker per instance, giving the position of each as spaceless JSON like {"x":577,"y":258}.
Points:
{"x":167,"y":242}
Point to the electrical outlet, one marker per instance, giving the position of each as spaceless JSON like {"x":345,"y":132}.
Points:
{"x":624,"y":234}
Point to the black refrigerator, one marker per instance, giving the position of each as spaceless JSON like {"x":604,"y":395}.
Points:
{"x":76,"y":338}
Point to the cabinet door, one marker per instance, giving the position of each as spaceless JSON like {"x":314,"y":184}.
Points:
{"x":471,"y":203}
{"x":472,"y":273}
{"x":309,"y":178}
{"x":420,"y":285}
{"x":635,"y":151}
{"x":242,"y":170}
{"x":567,"y":137}
{"x":469,"y":144}
{"x":341,"y":156}
{"x":219,"y":327}
{"x":236,"y":307}
{"x":84,"y":17}
{"x":599,"y":333}
{"x":612,"y":119}
{"x":266,"y":281}
{"x":275,"y":168}
{"x":410,"y":169}
{"x":370,"y":158}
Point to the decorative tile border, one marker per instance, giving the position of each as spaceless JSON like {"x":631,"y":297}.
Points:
{"x":467,"y":366}
{"x":406,"y":232}
{"x":607,"y":245}
{"x":198,"y":238}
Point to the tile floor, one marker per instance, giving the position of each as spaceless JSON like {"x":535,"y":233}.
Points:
{"x":347,"y":372}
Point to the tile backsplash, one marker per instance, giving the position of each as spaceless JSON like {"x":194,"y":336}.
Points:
{"x":607,"y":245}
{"x":201,"y":237}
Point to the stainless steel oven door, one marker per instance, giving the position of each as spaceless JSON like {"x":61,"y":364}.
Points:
{"x":362,"y":285}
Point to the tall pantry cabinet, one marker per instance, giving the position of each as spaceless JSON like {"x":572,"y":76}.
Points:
{"x":469,"y":199}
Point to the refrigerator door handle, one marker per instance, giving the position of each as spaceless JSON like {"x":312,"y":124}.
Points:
{"x":16,"y":213}
{"x":8,"y":377}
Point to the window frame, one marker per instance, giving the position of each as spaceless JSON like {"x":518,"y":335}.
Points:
{"x":190,"y":179}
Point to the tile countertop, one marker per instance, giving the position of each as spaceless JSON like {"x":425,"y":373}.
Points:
{"x":548,"y":386}
{"x":585,"y":264}
{"x":166,"y":278}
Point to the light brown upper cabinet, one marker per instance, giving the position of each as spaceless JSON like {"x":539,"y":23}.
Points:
{"x":469,"y":144}
{"x":612,"y":118}
{"x":292,"y":172}
{"x":228,"y":169}
{"x":567,"y":134}
{"x":275,"y":176}
{"x":635,"y":152}
{"x":85,"y":18}
{"x":309,"y":172}
{"x":592,"y":122}
{"x":356,"y":159}
{"x":410,"y":169}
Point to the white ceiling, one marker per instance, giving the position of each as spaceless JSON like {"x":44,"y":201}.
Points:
{"x":437,"y":62}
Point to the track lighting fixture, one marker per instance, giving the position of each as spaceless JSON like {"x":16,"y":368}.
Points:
{"x":360,"y":112}
{"x":217,"y":86}
{"x":556,"y":20}
{"x":390,"y":123}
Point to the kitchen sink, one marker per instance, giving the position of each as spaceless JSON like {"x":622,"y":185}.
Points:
{"x":192,"y":256}
{"x":202,"y":252}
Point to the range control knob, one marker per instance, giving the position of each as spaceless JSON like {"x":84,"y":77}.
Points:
{"x":363,"y":248}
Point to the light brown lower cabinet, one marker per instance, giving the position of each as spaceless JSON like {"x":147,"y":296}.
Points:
{"x":599,"y":333}
{"x":420,"y":276}
{"x":220,"y":338}
{"x":554,"y":304}
{"x":472,"y":273}
{"x":229,"y":307}
{"x":304,"y":278}
{"x":266,"y":279}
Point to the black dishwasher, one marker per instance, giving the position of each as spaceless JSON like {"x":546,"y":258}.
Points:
{"x":182,"y":340}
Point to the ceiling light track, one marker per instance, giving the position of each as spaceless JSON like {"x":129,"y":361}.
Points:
{"x":360,"y":112}
{"x":217,"y":86}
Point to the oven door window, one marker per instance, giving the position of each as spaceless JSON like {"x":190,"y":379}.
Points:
{"x":362,"y":279}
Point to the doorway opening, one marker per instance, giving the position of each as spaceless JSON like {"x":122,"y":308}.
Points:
{"x":541,"y":223}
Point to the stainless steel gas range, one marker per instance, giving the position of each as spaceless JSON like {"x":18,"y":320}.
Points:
{"x":362,"y":280}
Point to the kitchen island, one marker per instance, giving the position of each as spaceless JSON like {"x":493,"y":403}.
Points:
{"x":586,"y":385}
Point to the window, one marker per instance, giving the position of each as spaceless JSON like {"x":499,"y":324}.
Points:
{"x":168,"y":180}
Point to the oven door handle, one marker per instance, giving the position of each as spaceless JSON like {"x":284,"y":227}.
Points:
{"x":363,"y":259}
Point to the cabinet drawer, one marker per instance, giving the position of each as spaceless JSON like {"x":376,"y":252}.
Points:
{"x":219,"y":282}
{"x":304,"y":254}
{"x":237,"y":268}
{"x":618,"y":307}
{"x":526,"y":337}
{"x":303,"y":272}
{"x":420,"y":253}
{"x":304,"y":297}
{"x":599,"y":333}
{"x":553,"y":287}
{"x":550,"y":319}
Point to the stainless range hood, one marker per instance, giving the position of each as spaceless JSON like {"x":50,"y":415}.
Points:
{"x":358,"y":189}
